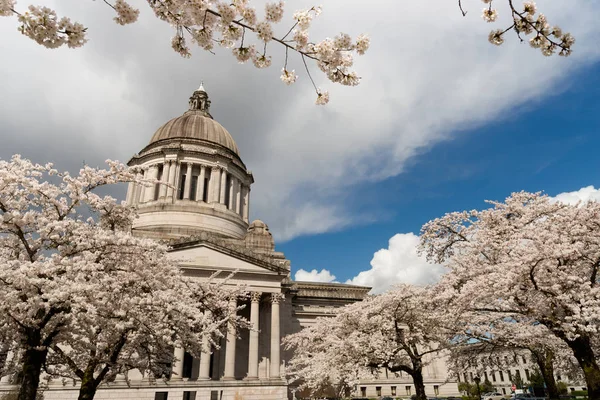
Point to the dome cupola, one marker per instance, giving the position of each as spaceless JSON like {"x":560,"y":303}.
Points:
{"x":203,"y":185}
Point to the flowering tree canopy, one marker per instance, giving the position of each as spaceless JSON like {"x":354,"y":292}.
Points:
{"x":400,"y":330}
{"x":78,"y":293}
{"x":527,"y":259}
{"x":228,"y":24}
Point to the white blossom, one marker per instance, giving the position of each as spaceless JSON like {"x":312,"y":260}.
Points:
{"x":125,"y":13}
{"x":243,"y":54}
{"x":6,"y":7}
{"x":489,"y":14}
{"x":288,"y":77}
{"x":264,"y":31}
{"x":322,"y":97}
{"x":274,"y":11}
{"x":362,"y":44}
{"x":261,"y":61}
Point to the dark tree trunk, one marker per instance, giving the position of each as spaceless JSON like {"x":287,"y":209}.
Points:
{"x":89,"y":385}
{"x":417,"y":376}
{"x":582,"y":349}
{"x":33,"y":360}
{"x":545,"y":362}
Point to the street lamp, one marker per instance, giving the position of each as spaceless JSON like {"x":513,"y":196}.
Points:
{"x":477,"y":379}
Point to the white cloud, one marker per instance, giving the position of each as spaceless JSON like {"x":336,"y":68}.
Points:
{"x":585,"y":194}
{"x":399,"y":263}
{"x":314,"y":276}
{"x":429,"y":74}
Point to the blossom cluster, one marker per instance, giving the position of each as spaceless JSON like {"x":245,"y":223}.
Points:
{"x":525,"y":22}
{"x":209,"y":22}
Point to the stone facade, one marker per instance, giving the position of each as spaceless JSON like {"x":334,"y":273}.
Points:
{"x":201,"y":208}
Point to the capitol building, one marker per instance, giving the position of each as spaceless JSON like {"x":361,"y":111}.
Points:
{"x":203,"y":210}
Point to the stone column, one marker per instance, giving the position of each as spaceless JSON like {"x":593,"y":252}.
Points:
{"x":172,"y":172}
{"x":275,"y":335}
{"x":200,"y":185}
{"x":253,"y":343}
{"x":162,"y":193}
{"x":204,"y":373}
{"x":246,"y":203}
{"x":231,"y":189}
{"x":188,"y":181}
{"x":178,"y":364}
{"x":130,"y":189}
{"x":215,"y":180}
{"x":223,"y":186}
{"x":238,"y":197}
{"x":230,"y":347}
{"x":149,"y":190}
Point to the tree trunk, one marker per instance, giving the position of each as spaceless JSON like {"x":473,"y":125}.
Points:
{"x":89,"y":385}
{"x":582,"y":349}
{"x":33,"y":360}
{"x":545,"y":362}
{"x":417,"y":376}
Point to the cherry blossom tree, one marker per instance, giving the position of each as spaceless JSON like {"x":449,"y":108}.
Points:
{"x":79,"y":294}
{"x":400,"y":330}
{"x":528,"y":258}
{"x":229,"y":24}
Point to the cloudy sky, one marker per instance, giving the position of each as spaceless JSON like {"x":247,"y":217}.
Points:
{"x":441,"y":121}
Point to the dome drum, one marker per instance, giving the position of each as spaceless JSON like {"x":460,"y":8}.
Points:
{"x":200,"y":180}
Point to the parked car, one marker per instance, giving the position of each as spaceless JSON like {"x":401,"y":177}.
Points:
{"x":495,"y":396}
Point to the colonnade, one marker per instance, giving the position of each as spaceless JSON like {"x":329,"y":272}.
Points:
{"x":195,"y":182}
{"x":253,"y":347}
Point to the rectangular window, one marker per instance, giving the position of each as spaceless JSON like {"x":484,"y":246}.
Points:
{"x":363,"y":391}
{"x":227,"y":184}
{"x":527,"y":374}
{"x":378,"y":390}
{"x":466,"y":377}
{"x":518,"y":374}
{"x":503,"y":391}
{"x":214,"y":395}
{"x":189,"y":395}
{"x":188,"y":362}
{"x":493,"y":377}
{"x":393,"y":390}
{"x":193,"y":188}
{"x":181,"y":188}
{"x":436,"y":390}
{"x":158,"y":185}
{"x":471,"y":376}
{"x":161,"y":395}
{"x":458,"y":377}
{"x":524,"y":360}
{"x":509,"y":375}
{"x":206,"y":182}
{"x":408,"y":390}
{"x":501,"y":376}
{"x":486,"y":376}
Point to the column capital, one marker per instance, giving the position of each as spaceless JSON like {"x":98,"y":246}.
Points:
{"x":255,"y":297}
{"x":277,"y":297}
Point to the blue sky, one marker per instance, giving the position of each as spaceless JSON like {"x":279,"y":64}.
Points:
{"x":552,"y":147}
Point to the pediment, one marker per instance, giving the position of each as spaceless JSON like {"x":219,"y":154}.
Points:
{"x":203,"y":256}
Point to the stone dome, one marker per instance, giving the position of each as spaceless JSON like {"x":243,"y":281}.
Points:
{"x":196,"y":123}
